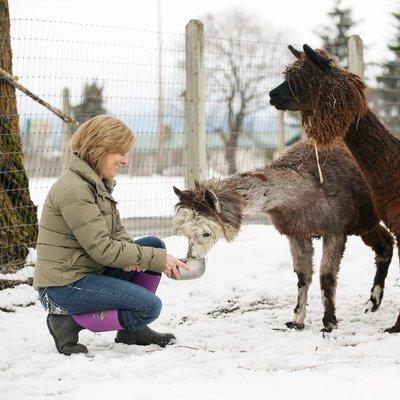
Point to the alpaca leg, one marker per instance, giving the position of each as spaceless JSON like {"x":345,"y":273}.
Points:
{"x":395,"y":328}
{"x":333,"y":248}
{"x":381,"y":243}
{"x":302,"y":252}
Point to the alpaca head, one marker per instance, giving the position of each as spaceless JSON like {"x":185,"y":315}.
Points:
{"x":328,"y":97}
{"x":200,"y":216}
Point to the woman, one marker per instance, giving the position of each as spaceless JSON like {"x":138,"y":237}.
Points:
{"x":89,"y":273}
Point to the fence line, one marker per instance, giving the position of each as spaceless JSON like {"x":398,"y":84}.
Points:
{"x":356,"y":55}
{"x":88,"y":69}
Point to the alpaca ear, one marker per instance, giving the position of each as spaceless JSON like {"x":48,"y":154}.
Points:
{"x":295,"y":52}
{"x":177,"y":192}
{"x":212,"y":200}
{"x":319,"y":61}
{"x":196,"y":184}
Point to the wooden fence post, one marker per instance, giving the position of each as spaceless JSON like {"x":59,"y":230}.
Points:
{"x":66,"y":130}
{"x":281,"y":140}
{"x":195,"y":149}
{"x":355,"y":54}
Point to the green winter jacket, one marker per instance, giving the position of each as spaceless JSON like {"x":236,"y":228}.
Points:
{"x":80,"y":231}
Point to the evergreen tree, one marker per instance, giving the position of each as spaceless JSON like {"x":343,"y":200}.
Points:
{"x":334,"y":38}
{"x":91,"y":105}
{"x":389,"y":84}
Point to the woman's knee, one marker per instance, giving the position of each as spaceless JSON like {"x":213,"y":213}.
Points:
{"x":154,"y":310}
{"x":151,"y":311}
{"x":134,"y":319}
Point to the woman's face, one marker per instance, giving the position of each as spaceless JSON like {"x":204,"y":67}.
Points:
{"x":112,"y":162}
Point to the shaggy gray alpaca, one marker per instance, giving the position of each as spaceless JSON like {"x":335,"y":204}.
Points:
{"x":290,"y":193}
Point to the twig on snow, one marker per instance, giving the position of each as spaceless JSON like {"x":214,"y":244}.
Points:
{"x":195,"y":348}
{"x":320,"y":365}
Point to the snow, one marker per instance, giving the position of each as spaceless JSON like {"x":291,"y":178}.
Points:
{"x":232,"y":341}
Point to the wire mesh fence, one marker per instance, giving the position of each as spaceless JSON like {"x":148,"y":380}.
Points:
{"x":383,"y":78}
{"x":139,"y":77}
{"x":90,"y":70}
{"x":241,"y":126}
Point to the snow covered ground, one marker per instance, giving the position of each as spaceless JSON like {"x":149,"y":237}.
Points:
{"x":232,"y":341}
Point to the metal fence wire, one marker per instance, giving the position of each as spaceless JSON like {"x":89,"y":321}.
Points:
{"x":139,"y":77}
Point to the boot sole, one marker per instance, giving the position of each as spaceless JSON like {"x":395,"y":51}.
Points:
{"x":141,"y":343}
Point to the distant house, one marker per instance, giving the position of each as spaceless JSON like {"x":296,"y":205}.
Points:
{"x":41,"y":157}
{"x":37,"y":136}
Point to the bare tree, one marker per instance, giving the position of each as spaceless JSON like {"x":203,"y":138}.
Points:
{"x":239,"y":62}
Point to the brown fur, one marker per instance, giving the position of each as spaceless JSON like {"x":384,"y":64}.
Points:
{"x":338,"y":97}
{"x":332,"y":102}
{"x":341,"y":205}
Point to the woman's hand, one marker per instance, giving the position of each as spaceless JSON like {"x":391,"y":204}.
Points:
{"x":133,"y":268}
{"x":171,"y":267}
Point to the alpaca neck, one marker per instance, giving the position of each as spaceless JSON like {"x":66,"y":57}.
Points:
{"x":252,"y":188}
{"x":231,"y":204}
{"x":238,"y":195}
{"x":375,"y":150}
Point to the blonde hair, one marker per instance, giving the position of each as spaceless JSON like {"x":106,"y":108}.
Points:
{"x":101,"y":135}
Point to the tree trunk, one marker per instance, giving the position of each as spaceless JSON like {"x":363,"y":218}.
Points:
{"x":235,"y":122}
{"x":18,"y":217}
{"x":231,"y":144}
{"x":230,"y":152}
{"x":8,"y":102}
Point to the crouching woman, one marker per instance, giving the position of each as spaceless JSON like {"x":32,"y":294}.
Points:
{"x":89,"y":273}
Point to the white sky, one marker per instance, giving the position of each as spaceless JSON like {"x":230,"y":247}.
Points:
{"x":300,"y":18}
{"x":56,"y":63}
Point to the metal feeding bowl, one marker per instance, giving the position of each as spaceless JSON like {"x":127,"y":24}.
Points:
{"x":197,"y":268}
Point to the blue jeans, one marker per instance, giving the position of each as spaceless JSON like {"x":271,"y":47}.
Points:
{"x":136,"y":305}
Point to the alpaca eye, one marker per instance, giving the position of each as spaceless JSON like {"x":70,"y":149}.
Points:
{"x":206,"y":234}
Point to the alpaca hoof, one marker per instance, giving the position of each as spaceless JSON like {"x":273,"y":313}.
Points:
{"x":393,"y":329}
{"x":372,"y":305}
{"x":375,"y":299}
{"x":329,"y":327}
{"x":295,"y":325}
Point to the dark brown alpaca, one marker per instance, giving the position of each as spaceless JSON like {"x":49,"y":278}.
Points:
{"x":290,"y":193}
{"x":332,"y":103}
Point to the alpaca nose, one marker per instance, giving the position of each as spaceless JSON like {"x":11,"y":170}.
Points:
{"x":273,"y":97}
{"x":278,"y":94}
{"x":273,"y":92}
{"x":189,"y":251}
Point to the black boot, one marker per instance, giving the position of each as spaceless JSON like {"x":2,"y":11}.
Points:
{"x":144,"y":336}
{"x":65,"y":332}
